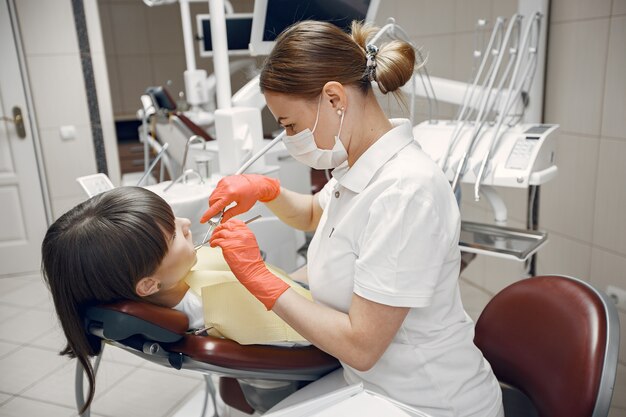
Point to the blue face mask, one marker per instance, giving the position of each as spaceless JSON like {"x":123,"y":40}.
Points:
{"x":303,"y":148}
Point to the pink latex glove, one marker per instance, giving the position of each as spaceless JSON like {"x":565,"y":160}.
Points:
{"x":241,"y":252}
{"x":245,"y":190}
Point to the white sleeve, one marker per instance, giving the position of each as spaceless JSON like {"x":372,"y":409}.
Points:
{"x":325,"y":193}
{"x":403,"y":248}
{"x":191,"y":305}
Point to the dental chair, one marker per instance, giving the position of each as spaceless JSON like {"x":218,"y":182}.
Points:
{"x":252,"y":377}
{"x":174,"y":127}
{"x":179,"y":131}
{"x":552,"y":342}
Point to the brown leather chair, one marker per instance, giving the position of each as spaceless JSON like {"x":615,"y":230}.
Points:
{"x":552,"y":342}
{"x":253,"y":377}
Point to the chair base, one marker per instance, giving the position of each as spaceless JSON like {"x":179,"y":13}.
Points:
{"x":516,"y":403}
{"x":262,"y":395}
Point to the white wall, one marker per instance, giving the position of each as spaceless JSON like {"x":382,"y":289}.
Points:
{"x":584,"y":209}
{"x":55,"y":75}
{"x":144,"y":47}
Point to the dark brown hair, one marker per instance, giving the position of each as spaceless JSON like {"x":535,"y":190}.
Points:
{"x":96,"y":253}
{"x":308,"y":54}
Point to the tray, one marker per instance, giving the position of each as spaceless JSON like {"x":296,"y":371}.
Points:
{"x":500,"y":241}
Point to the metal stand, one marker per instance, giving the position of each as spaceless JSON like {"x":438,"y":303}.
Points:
{"x":532,"y":223}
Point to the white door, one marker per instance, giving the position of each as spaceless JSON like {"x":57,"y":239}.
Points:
{"x":22,"y":214}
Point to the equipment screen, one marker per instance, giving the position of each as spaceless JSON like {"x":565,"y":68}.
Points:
{"x":538,"y":129}
{"x":238,"y":28}
{"x":283,"y":13}
{"x":271,"y":17}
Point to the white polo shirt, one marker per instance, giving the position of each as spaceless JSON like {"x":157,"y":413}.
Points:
{"x":389,"y":233}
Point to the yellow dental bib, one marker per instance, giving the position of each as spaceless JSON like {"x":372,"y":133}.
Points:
{"x":230,"y":311}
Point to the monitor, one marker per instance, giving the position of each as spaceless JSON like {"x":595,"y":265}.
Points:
{"x":271,"y":17}
{"x":238,"y":28}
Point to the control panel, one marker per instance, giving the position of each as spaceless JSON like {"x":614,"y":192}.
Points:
{"x":523,"y":155}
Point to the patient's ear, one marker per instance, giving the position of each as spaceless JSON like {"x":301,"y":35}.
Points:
{"x":147,"y":286}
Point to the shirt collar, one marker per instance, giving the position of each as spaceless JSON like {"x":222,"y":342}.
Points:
{"x":357,"y":177}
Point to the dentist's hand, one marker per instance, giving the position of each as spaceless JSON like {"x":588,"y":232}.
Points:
{"x":241,"y":252}
{"x":245,"y":190}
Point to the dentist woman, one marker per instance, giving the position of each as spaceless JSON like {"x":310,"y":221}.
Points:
{"x":384,"y":262}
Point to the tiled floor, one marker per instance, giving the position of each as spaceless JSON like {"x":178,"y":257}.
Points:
{"x":36,"y":382}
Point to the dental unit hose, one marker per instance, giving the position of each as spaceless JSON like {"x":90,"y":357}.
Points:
{"x":157,"y":158}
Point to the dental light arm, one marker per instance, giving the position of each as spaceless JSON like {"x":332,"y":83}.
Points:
{"x":249,"y":95}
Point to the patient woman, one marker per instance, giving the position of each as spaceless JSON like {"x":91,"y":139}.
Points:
{"x":124,"y":244}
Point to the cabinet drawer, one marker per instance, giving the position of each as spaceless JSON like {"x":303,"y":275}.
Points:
{"x":132,"y":150}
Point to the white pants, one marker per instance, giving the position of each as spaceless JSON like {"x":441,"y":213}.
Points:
{"x":329,"y":383}
{"x":325,"y":385}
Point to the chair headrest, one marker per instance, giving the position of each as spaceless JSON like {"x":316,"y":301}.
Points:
{"x":161,"y":98}
{"x":127,"y":318}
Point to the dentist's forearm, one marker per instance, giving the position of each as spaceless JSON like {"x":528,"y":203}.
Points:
{"x":300,"y":211}
{"x":328,"y":329}
{"x":358,"y":338}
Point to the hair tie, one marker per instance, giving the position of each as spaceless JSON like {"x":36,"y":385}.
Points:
{"x":370,"y":52}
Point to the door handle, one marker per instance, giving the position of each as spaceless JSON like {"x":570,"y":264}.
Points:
{"x":18,"y":121}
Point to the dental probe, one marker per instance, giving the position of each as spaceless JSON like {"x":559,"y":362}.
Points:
{"x":206,"y":237}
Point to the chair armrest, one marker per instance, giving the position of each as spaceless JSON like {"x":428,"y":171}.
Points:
{"x":230,"y":354}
